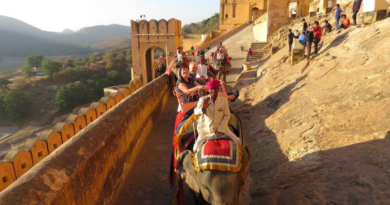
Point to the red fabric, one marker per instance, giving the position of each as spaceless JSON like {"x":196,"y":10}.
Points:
{"x":250,"y":52}
{"x":179,"y":117}
{"x":317,"y":31}
{"x":217,"y":148}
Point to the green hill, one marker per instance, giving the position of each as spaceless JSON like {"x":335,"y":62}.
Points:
{"x":205,"y":26}
{"x":19,"y":39}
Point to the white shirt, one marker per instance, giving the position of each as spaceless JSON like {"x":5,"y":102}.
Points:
{"x":202,"y":71}
{"x":215,"y":118}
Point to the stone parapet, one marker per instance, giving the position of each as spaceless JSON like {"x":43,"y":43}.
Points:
{"x":91,"y":167}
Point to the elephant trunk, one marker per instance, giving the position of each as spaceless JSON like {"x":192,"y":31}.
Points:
{"x":225,"y":199}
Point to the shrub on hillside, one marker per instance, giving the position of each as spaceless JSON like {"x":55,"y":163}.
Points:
{"x":110,"y":65}
{"x":72,"y":95}
{"x":96,"y":86}
{"x":15,"y":105}
{"x":21,"y":84}
{"x":50,"y":67}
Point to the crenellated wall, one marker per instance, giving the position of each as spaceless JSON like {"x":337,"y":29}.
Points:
{"x":90,"y":167}
{"x":18,"y":161}
{"x":146,"y":36}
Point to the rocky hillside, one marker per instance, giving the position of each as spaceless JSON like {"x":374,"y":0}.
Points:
{"x":319,"y":130}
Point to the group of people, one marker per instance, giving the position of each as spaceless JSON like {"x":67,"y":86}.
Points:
{"x":195,"y":84}
{"x":311,"y":34}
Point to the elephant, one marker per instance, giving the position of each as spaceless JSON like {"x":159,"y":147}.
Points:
{"x":161,"y":68}
{"x":222,"y":70}
{"x":212,"y":186}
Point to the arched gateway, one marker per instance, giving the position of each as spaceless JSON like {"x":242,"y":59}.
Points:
{"x":148,"y":35}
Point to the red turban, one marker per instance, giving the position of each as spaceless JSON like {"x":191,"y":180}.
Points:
{"x":213,"y":84}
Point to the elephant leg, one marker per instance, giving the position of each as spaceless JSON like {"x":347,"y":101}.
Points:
{"x":198,"y":197}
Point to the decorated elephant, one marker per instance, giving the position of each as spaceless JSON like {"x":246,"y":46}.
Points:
{"x":222,"y":70}
{"x":161,"y":67}
{"x":213,"y":186}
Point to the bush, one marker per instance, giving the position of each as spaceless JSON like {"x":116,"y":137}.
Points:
{"x":78,"y":63}
{"x":72,"y":95}
{"x":109,"y":56}
{"x":21,"y":84}
{"x":16,"y":105}
{"x":43,"y":111}
{"x":110,"y":65}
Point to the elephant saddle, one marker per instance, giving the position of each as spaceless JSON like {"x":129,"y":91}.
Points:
{"x":219,"y":154}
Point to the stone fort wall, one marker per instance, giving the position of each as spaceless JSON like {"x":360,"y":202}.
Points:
{"x":91,"y":166}
{"x":18,"y":161}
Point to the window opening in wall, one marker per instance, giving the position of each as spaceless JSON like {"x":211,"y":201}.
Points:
{"x":40,"y":154}
{"x":293,"y":7}
{"x":23,"y":165}
{"x":5,"y":179}
{"x":226,"y":16}
{"x":55,"y":145}
{"x":256,"y":13}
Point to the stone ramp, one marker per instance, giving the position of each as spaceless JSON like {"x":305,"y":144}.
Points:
{"x":147,"y":182}
{"x":242,"y":37}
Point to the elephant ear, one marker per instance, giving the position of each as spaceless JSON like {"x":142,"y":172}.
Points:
{"x":186,"y":170}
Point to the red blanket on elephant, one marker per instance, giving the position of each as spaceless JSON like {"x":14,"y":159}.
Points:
{"x":220,"y":154}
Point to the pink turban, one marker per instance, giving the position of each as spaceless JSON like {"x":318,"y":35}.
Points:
{"x":213,"y":84}
{"x":201,"y":60}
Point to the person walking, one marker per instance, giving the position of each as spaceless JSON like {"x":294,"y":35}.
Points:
{"x":338,"y":16}
{"x":290,"y":39}
{"x":317,"y":36}
{"x":309,"y":42}
{"x":305,"y":26}
{"x":250,"y":53}
{"x":356,"y":8}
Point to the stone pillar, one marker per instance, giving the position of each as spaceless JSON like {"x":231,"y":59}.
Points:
{"x":297,"y":55}
{"x":298,"y":52}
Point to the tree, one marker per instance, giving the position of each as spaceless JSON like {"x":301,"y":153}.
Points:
{"x":72,"y":95}
{"x":4,"y":82}
{"x":27,"y":73}
{"x":50,"y":67}
{"x":69,"y":62}
{"x":92,"y":59}
{"x":34,"y":61}
{"x":16,"y":105}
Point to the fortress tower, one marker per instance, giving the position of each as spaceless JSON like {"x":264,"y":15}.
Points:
{"x":267,"y":15}
{"x":236,"y":12}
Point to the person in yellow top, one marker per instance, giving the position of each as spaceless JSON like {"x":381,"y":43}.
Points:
{"x":214,"y":116}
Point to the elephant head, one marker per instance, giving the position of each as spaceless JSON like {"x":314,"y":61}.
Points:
{"x":210,"y":186}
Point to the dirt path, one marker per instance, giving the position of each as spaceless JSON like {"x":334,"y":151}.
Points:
{"x":147,"y":182}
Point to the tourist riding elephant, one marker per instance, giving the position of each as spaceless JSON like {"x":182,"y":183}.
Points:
{"x":212,"y":186}
{"x":161,"y":67}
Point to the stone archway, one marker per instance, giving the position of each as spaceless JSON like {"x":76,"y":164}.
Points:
{"x":146,"y":36}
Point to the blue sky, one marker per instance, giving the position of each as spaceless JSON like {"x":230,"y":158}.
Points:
{"x":55,"y":15}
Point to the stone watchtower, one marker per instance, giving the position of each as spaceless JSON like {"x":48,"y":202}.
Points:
{"x":236,"y":12}
{"x":148,"y":35}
